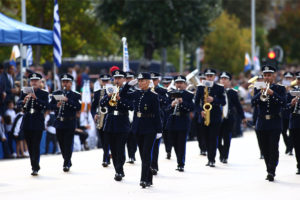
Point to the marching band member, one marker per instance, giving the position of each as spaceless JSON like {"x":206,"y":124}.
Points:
{"x":146,"y":123}
{"x":34,"y":104}
{"x":294,"y":104}
{"x":116,"y":122}
{"x":270,"y":101}
{"x":166,"y":81}
{"x":200,"y":132}
{"x":260,"y":78}
{"x":65,"y":112}
{"x":288,"y":78}
{"x":163,"y":99}
{"x":99,"y":115}
{"x":178,"y":122}
{"x":131,"y":140}
{"x":208,"y":101}
{"x":232,"y":101}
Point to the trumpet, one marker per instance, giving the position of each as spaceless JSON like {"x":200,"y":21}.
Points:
{"x":207,"y":108}
{"x":113,"y":101}
{"x":264,"y":95}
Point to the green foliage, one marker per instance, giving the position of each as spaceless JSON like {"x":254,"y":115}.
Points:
{"x":286,"y":34}
{"x":226,"y":45}
{"x":242,"y":10}
{"x":157,"y":24}
{"x":81,"y":32}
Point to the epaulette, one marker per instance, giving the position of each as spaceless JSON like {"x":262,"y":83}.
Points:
{"x":220,"y":84}
{"x":76,"y":92}
{"x":45,"y":90}
{"x":234,"y":89}
{"x":96,"y":90}
{"x":153,"y":92}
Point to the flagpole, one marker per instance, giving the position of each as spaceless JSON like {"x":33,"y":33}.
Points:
{"x":54,"y":75}
{"x":23,"y":61}
{"x":253,"y":30}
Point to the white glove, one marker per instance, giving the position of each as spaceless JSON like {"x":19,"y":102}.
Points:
{"x":158,"y":135}
{"x":133,"y":82}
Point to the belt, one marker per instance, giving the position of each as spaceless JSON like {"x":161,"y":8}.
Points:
{"x":180,"y":114}
{"x":31,"y":111}
{"x":118,"y":113}
{"x":144,"y":115}
{"x":268,"y":117}
{"x":62,"y":119}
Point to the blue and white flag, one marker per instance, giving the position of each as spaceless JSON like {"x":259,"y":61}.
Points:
{"x":248,"y":63}
{"x":57,"y":50}
{"x":29,"y":55}
{"x":125,"y":56}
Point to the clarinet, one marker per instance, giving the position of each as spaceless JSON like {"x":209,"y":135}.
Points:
{"x":61,"y":106}
{"x":296,"y":105}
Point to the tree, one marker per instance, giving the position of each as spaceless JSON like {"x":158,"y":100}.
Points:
{"x":81,"y":32}
{"x":226,"y":45}
{"x":158,"y":24}
{"x":286,"y":34}
{"x":242,"y":10}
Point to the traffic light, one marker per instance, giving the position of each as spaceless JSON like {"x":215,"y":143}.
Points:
{"x":272,"y":55}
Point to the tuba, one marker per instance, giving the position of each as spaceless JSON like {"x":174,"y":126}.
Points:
{"x":192,"y":80}
{"x":206,"y":107}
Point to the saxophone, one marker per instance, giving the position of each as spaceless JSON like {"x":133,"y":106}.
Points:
{"x":101,"y":111}
{"x":207,"y":108}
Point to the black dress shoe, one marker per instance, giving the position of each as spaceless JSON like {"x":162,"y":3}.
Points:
{"x":34,"y":173}
{"x":291,"y":153}
{"x":211,"y":164}
{"x":148,"y":184}
{"x":104,"y":164}
{"x":298,"y":172}
{"x":143,"y":184}
{"x":118,"y":177}
{"x":207,"y":164}
{"x":180,"y":169}
{"x":154,"y":171}
{"x":168,"y":155}
{"x":270,"y":177}
{"x":225,"y":161}
{"x":131,"y":161}
{"x":66,"y":169}
{"x":203,"y":153}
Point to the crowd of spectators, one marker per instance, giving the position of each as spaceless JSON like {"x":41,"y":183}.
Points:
{"x":12,"y":139}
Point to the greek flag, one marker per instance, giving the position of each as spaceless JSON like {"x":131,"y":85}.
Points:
{"x":29,"y":55}
{"x":125,"y":56}
{"x":57,"y":50}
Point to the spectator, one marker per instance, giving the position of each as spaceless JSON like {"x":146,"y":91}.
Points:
{"x":17,"y":132}
{"x":49,"y":81}
{"x":50,"y":131}
{"x":9,"y":83}
{"x":80,"y":130}
{"x":3,"y":139}
{"x":2,"y":90}
{"x":85,"y":75}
